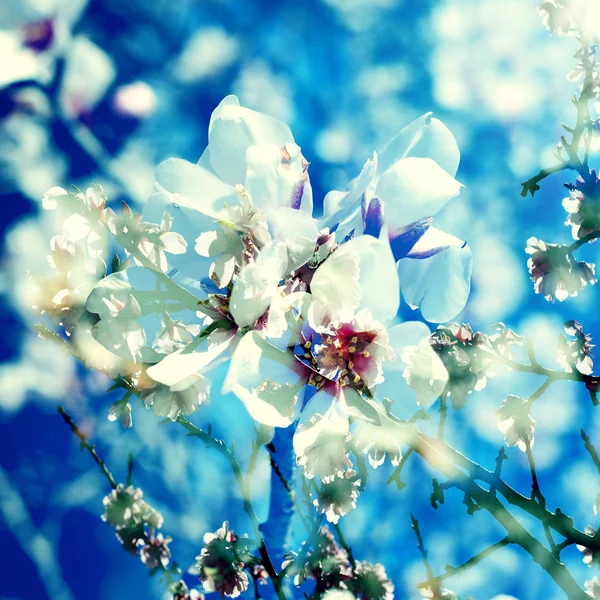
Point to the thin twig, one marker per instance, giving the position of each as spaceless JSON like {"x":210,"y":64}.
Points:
{"x":395,"y":476}
{"x":435,"y":587}
{"x":89,"y":447}
{"x":468,"y":564}
{"x":344,"y":544}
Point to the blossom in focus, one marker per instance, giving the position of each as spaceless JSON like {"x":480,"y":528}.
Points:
{"x":554,"y":271}
{"x":400,"y":190}
{"x":326,"y":562}
{"x":515,"y":422}
{"x":320,"y":447}
{"x":124,"y":506}
{"x":174,"y":395}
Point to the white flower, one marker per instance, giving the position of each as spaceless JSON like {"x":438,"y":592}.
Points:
{"x":396,"y":194}
{"x":82,"y":215}
{"x":590,"y":557}
{"x":337,"y":498}
{"x":257,"y":285}
{"x":575,"y":353}
{"x":425,"y":373}
{"x":117,"y":330}
{"x":267,"y":380}
{"x":219,"y":564}
{"x":372,"y":582}
{"x":121,"y":410}
{"x":379,"y":439}
{"x":515,"y":422}
{"x":174,"y":335}
{"x":172,"y":398}
{"x":321,"y":446}
{"x":554,"y":271}
{"x":148,"y":239}
{"x":242,"y":232}
{"x":74,"y":275}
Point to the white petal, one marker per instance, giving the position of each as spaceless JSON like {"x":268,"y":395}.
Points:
{"x":336,"y":282}
{"x":343,"y":208}
{"x":174,"y":242}
{"x":394,"y":386}
{"x":438,"y":285}
{"x":180,"y":365}
{"x":194,"y":187}
{"x":232,"y":130}
{"x":298,"y":230}
{"x":265,"y":380}
{"x":190,"y":224}
{"x":275,"y":176}
{"x":256,"y":285}
{"x":413,"y":189}
{"x":426,"y":137}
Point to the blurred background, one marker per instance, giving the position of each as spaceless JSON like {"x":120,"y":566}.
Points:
{"x":101,"y":91}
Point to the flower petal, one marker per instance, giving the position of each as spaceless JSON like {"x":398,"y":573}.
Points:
{"x":275,"y":176}
{"x":194,"y":187}
{"x":335,"y":282}
{"x":426,"y":137}
{"x":232,"y":130}
{"x":187,"y":222}
{"x":440,"y":284}
{"x":180,"y":365}
{"x":265,"y":379}
{"x":413,"y":189}
{"x":298,"y":230}
{"x":402,"y":335}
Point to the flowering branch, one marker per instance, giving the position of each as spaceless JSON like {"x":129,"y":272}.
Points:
{"x":125,"y":509}
{"x":243,"y":484}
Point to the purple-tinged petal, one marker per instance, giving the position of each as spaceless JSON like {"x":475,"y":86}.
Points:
{"x":403,"y":241}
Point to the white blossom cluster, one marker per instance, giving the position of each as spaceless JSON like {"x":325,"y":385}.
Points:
{"x":227,"y":263}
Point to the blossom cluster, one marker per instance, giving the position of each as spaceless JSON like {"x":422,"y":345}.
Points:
{"x":135,"y":523}
{"x":337,"y":575}
{"x":228,"y":264}
{"x":222,"y":562}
